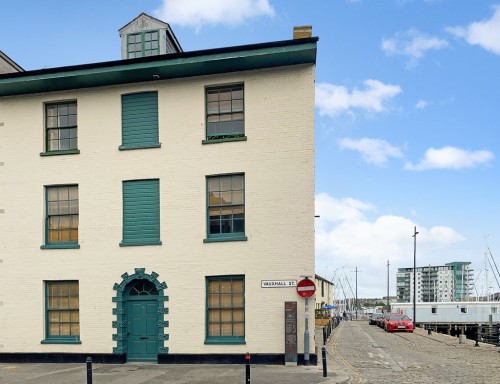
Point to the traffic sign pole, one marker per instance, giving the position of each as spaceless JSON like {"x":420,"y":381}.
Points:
{"x":306,"y":335}
{"x":306,"y":288}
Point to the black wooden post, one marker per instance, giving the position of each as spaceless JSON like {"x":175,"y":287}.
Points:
{"x":323,"y":354}
{"x":247,"y":368}
{"x":89,"y":370}
{"x":478,"y":331}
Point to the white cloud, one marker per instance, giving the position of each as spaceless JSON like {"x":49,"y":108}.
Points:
{"x":373,"y":151}
{"x":346,"y":237}
{"x":484,"y":33}
{"x":451,"y":158}
{"x":412,"y":44}
{"x":340,"y":210}
{"x":198,"y":13}
{"x":421,"y":104}
{"x":332,"y":100}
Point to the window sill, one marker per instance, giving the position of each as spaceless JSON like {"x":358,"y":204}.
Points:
{"x":61,"y":341}
{"x":223,"y":239}
{"x":229,"y":139}
{"x":60,"y":246}
{"x":139,"y":244}
{"x":133,"y":147}
{"x":59,"y":153}
{"x":223,"y":341}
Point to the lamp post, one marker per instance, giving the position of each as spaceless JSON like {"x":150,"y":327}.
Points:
{"x":356,"y":293}
{"x":415,"y":276}
{"x":388,"y":304}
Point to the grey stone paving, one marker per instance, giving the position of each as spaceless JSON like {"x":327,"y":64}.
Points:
{"x":368,"y":354}
{"x":356,"y":353}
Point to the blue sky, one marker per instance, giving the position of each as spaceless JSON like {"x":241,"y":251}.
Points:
{"x":407,"y":112}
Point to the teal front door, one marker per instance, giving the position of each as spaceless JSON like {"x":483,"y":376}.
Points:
{"x":142,"y":337}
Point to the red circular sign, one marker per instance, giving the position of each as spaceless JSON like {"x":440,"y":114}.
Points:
{"x":306,"y":288}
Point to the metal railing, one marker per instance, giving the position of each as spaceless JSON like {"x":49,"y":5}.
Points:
{"x":489,"y":334}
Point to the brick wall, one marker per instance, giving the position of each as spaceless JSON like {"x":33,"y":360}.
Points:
{"x":278,"y":162}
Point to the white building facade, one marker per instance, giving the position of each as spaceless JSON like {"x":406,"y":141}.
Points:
{"x":324,"y":292}
{"x":449,"y":282}
{"x":144,"y":200}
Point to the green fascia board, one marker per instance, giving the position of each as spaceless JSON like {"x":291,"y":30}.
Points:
{"x":169,"y":66}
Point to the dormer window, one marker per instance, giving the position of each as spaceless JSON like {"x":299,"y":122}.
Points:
{"x":143,"y":44}
{"x":146,"y":36}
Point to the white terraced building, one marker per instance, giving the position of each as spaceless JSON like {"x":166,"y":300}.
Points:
{"x":143,"y":201}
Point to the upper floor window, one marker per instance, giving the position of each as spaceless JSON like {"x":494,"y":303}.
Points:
{"x":62,"y":216}
{"x":225,"y":112}
{"x":143,"y":44}
{"x":61,"y":126}
{"x":226,"y":207}
{"x":140,"y":121}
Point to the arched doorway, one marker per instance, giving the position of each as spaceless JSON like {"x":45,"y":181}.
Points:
{"x":142,"y":317}
{"x":140,"y":310}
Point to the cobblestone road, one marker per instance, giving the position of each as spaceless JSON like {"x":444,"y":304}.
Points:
{"x":368,"y":354}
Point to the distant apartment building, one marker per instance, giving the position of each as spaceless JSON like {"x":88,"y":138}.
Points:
{"x":451,"y":282}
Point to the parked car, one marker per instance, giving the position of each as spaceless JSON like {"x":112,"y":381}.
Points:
{"x":381,"y":320}
{"x":398,"y":322}
{"x":372,"y":318}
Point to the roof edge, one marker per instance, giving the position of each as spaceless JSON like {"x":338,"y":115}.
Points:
{"x":168,"y":56}
{"x":11,"y":62}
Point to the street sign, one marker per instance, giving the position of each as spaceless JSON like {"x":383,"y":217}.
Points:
{"x":306,"y":288}
{"x":278,"y":283}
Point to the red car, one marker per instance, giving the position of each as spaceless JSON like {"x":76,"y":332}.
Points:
{"x":398,"y":322}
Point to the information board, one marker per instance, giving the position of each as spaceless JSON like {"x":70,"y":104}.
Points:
{"x":290,"y":333}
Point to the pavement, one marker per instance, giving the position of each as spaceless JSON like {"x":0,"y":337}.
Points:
{"x":137,"y":373}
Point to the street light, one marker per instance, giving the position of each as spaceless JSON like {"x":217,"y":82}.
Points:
{"x":415,"y":276}
{"x":388,"y":303}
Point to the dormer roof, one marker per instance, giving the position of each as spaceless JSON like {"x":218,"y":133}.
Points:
{"x":7,"y":65}
{"x":145,"y":22}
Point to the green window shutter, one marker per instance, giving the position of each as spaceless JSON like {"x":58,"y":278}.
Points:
{"x":140,"y":120}
{"x":141,"y":212}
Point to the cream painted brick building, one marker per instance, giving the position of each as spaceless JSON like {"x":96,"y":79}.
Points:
{"x":127,"y":249}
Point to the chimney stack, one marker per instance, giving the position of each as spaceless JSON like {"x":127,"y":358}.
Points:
{"x":302,"y":32}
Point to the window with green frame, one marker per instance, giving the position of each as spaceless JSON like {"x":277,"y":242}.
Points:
{"x":62,"y":304}
{"x":226,"y":207}
{"x":143,"y":44}
{"x":225,"y":309}
{"x":225,"y":112}
{"x":61,"y":126}
{"x":62,"y":215}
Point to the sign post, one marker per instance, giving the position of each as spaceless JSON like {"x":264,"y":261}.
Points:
{"x":306,"y":288}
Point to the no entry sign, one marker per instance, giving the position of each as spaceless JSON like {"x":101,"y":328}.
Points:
{"x":306,"y":288}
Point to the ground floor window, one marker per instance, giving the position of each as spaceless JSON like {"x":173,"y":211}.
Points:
{"x":225,"y":309}
{"x":62,"y":303}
